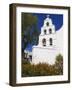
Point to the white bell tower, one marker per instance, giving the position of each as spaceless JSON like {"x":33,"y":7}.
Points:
{"x":47,"y":37}
{"x":45,"y":51}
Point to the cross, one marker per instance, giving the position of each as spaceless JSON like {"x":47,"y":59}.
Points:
{"x":48,"y":16}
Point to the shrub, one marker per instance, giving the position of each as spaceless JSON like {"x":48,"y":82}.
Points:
{"x":59,"y":63}
{"x":43,"y":69}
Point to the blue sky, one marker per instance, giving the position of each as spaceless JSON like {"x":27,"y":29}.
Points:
{"x":57,"y":20}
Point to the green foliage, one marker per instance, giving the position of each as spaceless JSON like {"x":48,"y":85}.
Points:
{"x":43,"y":69}
{"x":28,"y":20}
{"x":59,"y":58}
{"x":59,"y":63}
{"x":30,"y":31}
{"x":25,"y":62}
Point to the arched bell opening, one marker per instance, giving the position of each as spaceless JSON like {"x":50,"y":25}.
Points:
{"x":44,"y":42}
{"x":51,"y":41}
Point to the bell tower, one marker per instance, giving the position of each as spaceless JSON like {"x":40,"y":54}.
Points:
{"x":45,"y":51}
{"x":47,"y":37}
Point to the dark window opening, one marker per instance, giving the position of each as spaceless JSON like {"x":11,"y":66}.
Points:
{"x":44,"y":31}
{"x":44,"y":42}
{"x":50,"y":31}
{"x":51,"y":41}
{"x":30,"y":57}
{"x":47,"y":23}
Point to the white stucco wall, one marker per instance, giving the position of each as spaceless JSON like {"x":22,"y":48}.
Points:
{"x":43,"y":55}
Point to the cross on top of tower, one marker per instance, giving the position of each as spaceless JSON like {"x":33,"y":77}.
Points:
{"x":48,"y":16}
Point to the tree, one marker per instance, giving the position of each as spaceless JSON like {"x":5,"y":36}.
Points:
{"x":30,"y":31}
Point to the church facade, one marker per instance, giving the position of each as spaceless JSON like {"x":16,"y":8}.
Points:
{"x":46,"y":50}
